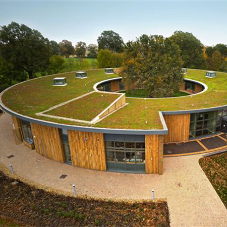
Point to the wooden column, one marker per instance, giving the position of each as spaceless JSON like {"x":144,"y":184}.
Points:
{"x":48,"y":142}
{"x":178,"y":127}
{"x":154,"y":154}
{"x":87,"y":150}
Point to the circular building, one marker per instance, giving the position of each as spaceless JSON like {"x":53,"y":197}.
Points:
{"x":90,"y":124}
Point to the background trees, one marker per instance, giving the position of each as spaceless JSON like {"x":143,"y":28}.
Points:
{"x":110,"y":40}
{"x":154,"y":63}
{"x":92,"y":50}
{"x":66,"y":48}
{"x":107,"y":59}
{"x":24,"y":48}
{"x":80,"y":49}
{"x":191,"y":49}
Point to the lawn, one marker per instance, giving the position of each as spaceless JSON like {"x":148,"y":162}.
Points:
{"x":85,"y":108}
{"x":215,"y":168}
{"x":74,"y":64}
{"x":36,"y":207}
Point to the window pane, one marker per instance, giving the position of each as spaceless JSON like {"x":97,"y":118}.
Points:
{"x":140,"y":145}
{"x":110,"y":144}
{"x":110,"y":156}
{"x":119,"y":145}
{"x":140,"y":157}
{"x":130,"y":156}
{"x":120,"y":156}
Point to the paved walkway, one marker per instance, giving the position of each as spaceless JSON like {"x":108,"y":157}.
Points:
{"x":191,"y":198}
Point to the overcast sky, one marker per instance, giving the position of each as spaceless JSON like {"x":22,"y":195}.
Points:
{"x":85,"y":20}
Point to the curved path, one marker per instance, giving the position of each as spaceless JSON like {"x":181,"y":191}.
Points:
{"x":191,"y":198}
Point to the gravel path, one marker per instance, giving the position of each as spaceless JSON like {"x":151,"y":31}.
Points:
{"x":191,"y":198}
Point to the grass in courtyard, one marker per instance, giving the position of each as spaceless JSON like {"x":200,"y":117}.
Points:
{"x":85,"y":108}
{"x":143,"y":93}
{"x":215,"y":168}
{"x":35,"y":207}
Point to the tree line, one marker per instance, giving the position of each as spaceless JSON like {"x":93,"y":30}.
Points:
{"x":24,"y":52}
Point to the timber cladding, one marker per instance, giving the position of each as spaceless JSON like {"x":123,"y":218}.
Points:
{"x":48,"y":142}
{"x":178,"y":127}
{"x":87,"y":149}
{"x":115,"y":85}
{"x":154,"y":154}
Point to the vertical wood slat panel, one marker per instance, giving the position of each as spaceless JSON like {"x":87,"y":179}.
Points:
{"x":87,"y":150}
{"x":17,"y":132}
{"x":48,"y":142}
{"x":178,"y":127}
{"x":115,"y":85}
{"x":154,"y":154}
{"x":16,"y":122}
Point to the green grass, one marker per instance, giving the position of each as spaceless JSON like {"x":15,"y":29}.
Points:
{"x":5,"y":223}
{"x":74,"y":64}
{"x":39,"y":95}
{"x":85,"y":108}
{"x":143,"y":93}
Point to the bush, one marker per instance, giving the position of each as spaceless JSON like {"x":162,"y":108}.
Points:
{"x":107,"y":59}
{"x":57,"y":63}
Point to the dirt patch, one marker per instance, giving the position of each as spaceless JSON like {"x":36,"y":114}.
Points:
{"x":215,"y":168}
{"x":36,"y":207}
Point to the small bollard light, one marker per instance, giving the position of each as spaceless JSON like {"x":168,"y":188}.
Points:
{"x":11,"y":168}
{"x":74,"y":189}
{"x":152,"y":194}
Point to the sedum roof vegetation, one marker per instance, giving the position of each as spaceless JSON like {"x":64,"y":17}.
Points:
{"x":39,"y":95}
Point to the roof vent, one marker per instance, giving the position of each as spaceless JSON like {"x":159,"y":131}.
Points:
{"x":81,"y":75}
{"x":210,"y":74}
{"x":184,"y":70}
{"x":109,"y":71}
{"x":60,"y":81}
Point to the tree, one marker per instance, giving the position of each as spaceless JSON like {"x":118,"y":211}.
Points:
{"x":153,"y":63}
{"x":209,"y":51}
{"x":191,"y":49}
{"x":55,"y":48}
{"x":222,"y":49}
{"x":92,"y":51}
{"x":57,"y":63}
{"x":66,"y":48}
{"x":108,"y":59}
{"x":80,"y":49}
{"x":25,"y":48}
{"x":110,"y":40}
{"x":216,"y":60}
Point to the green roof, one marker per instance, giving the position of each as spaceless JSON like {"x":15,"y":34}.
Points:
{"x":39,"y":95}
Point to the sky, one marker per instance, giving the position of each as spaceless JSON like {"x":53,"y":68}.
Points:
{"x":77,"y":20}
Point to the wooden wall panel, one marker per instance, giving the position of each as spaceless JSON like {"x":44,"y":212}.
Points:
{"x":17,"y":132}
{"x":198,"y":88}
{"x":16,"y":122}
{"x":178,"y":127}
{"x":115,"y":85}
{"x":87,"y":150}
{"x":154,"y":154}
{"x":48,"y":142}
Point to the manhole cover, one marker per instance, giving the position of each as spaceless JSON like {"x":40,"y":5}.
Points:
{"x":63,"y":176}
{"x":169,"y":152}
{"x":11,"y":156}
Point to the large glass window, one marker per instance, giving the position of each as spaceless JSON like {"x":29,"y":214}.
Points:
{"x":66,"y":148}
{"x":125,"y":156}
{"x":189,"y":86}
{"x":27,"y":132}
{"x":206,"y":123}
